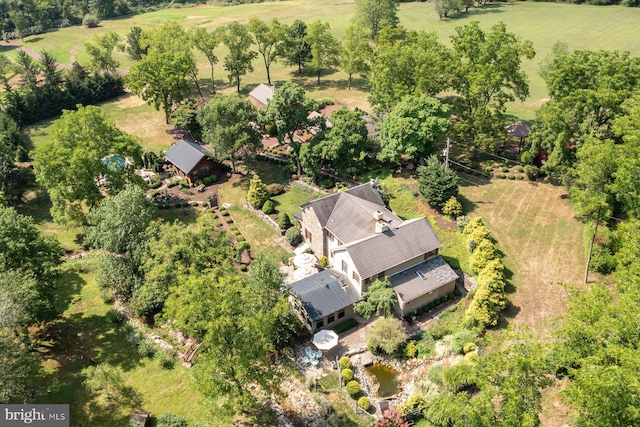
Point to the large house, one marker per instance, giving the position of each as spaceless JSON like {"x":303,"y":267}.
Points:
{"x":191,"y":161}
{"x":365,"y":241}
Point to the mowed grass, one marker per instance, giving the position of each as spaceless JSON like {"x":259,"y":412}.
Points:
{"x":130,"y":114}
{"x":581,"y":26}
{"x":542,"y":241}
{"x":83,"y":332}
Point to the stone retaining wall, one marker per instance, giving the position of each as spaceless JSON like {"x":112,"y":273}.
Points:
{"x":266,"y":218}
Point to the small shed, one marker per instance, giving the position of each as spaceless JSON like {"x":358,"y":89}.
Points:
{"x":140,"y":418}
{"x":261,"y":95}
{"x":191,"y":161}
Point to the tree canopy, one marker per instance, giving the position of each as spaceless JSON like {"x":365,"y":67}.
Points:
{"x":228,"y":124}
{"x":160,"y":76}
{"x":378,"y":299}
{"x":325,"y":49}
{"x":411,"y":128}
{"x":295,"y":47}
{"x":374,"y":15}
{"x":85,"y":147}
{"x":269,"y":38}
{"x":100,"y":50}
{"x":238,"y":61}
{"x":355,"y":53}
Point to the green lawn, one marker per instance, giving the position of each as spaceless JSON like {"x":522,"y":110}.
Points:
{"x":296,"y":195}
{"x":581,"y":26}
{"x":130,"y":114}
{"x":83,"y":332}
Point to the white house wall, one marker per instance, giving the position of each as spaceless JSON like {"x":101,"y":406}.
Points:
{"x":343,"y":255}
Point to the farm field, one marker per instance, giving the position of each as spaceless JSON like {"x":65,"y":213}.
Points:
{"x":582,"y":27}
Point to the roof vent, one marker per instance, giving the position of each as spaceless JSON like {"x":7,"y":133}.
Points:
{"x":381,"y":226}
{"x":377,"y":215}
{"x":421,"y":275}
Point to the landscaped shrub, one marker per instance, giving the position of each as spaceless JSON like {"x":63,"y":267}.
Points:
{"x":90,"y":21}
{"x":526,"y":157}
{"x":410,"y":350}
{"x":519,"y":176}
{"x":511,"y":176}
{"x":458,"y":376}
{"x":484,"y":252}
{"x":228,"y":220}
{"x":275,"y":189}
{"x":224,"y":212}
{"x":353,"y":388}
{"x":452,"y":208}
{"x":194,"y":204}
{"x":520,"y":169}
{"x":505,"y":169}
{"x":293,"y":236}
{"x":213,"y":178}
{"x":347,"y":375}
{"x":344,"y":362}
{"x":200,"y":188}
{"x":184,"y":185}
{"x":469,"y":347}
{"x":364,"y":403}
{"x":243,"y":267}
{"x":327,"y":183}
{"x":268,"y":207}
{"x":435,"y":374}
{"x":258,"y":193}
{"x":462,"y":222}
{"x":488,"y":169}
{"x":324,"y":261}
{"x":198,"y":182}
{"x":271,"y":129}
{"x":387,"y":335}
{"x":502,"y":176}
{"x":456,"y":292}
{"x":171,"y":420}
{"x":532,"y":172}
{"x":206,"y":180}
{"x":308,"y":251}
{"x":285,"y":222}
{"x":173,"y":183}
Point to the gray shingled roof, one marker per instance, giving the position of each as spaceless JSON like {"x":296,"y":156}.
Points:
{"x":409,"y":286}
{"x":324,"y":293}
{"x":185,"y":155}
{"x":352,"y":218}
{"x":324,"y":207}
{"x":262,"y":93}
{"x":399,"y":244}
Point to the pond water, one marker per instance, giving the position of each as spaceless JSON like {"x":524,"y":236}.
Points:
{"x":386,"y":377}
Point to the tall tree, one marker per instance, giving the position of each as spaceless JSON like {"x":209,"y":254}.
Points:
{"x":590,"y":190}
{"x":325,"y":49}
{"x":411,"y":128}
{"x":5,"y":67}
{"x":134,"y":48}
{"x":627,"y":186}
{"x":50,"y":72}
{"x":295,"y":48}
{"x":437,"y":183}
{"x":487,"y":73}
{"x":374,"y":15}
{"x":70,"y":164}
{"x":239,"y":60}
{"x":100,"y":50}
{"x":28,"y":68}
{"x":407,"y":63}
{"x":355,"y":53}
{"x":205,"y":42}
{"x":288,"y":110}
{"x":118,"y":224}
{"x":344,"y":147}
{"x":269,"y":39}
{"x":160,"y":76}
{"x":228,"y":124}
{"x":588,"y":90}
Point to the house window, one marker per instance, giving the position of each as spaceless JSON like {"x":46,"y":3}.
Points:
{"x":344,"y":266}
{"x":319,"y":324}
{"x":307,"y":235}
{"x":330,"y":319}
{"x":356,"y":277}
{"x":329,"y":235}
{"x":340,"y":314}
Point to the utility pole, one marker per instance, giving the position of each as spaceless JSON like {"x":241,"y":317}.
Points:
{"x":446,"y":153}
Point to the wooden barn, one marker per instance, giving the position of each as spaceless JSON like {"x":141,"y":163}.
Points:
{"x":191,"y":161}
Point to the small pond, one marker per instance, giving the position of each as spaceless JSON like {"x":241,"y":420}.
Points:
{"x":386,"y":377}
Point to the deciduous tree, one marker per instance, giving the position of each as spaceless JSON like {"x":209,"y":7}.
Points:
{"x":295,"y":48}
{"x":205,"y":42}
{"x":73,"y":160}
{"x":269,"y":38}
{"x":374,"y":15}
{"x":411,"y":128}
{"x":325,"y":49}
{"x":228,"y":124}
{"x":355,"y":53}
{"x":100,"y":51}
{"x":239,"y":60}
{"x":160,"y":76}
{"x":134,"y":48}
{"x":487,"y":73}
{"x":378,"y":299}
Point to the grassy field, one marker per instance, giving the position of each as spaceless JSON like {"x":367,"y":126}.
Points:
{"x":83,"y":332}
{"x":130,"y":113}
{"x":582,"y":27}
